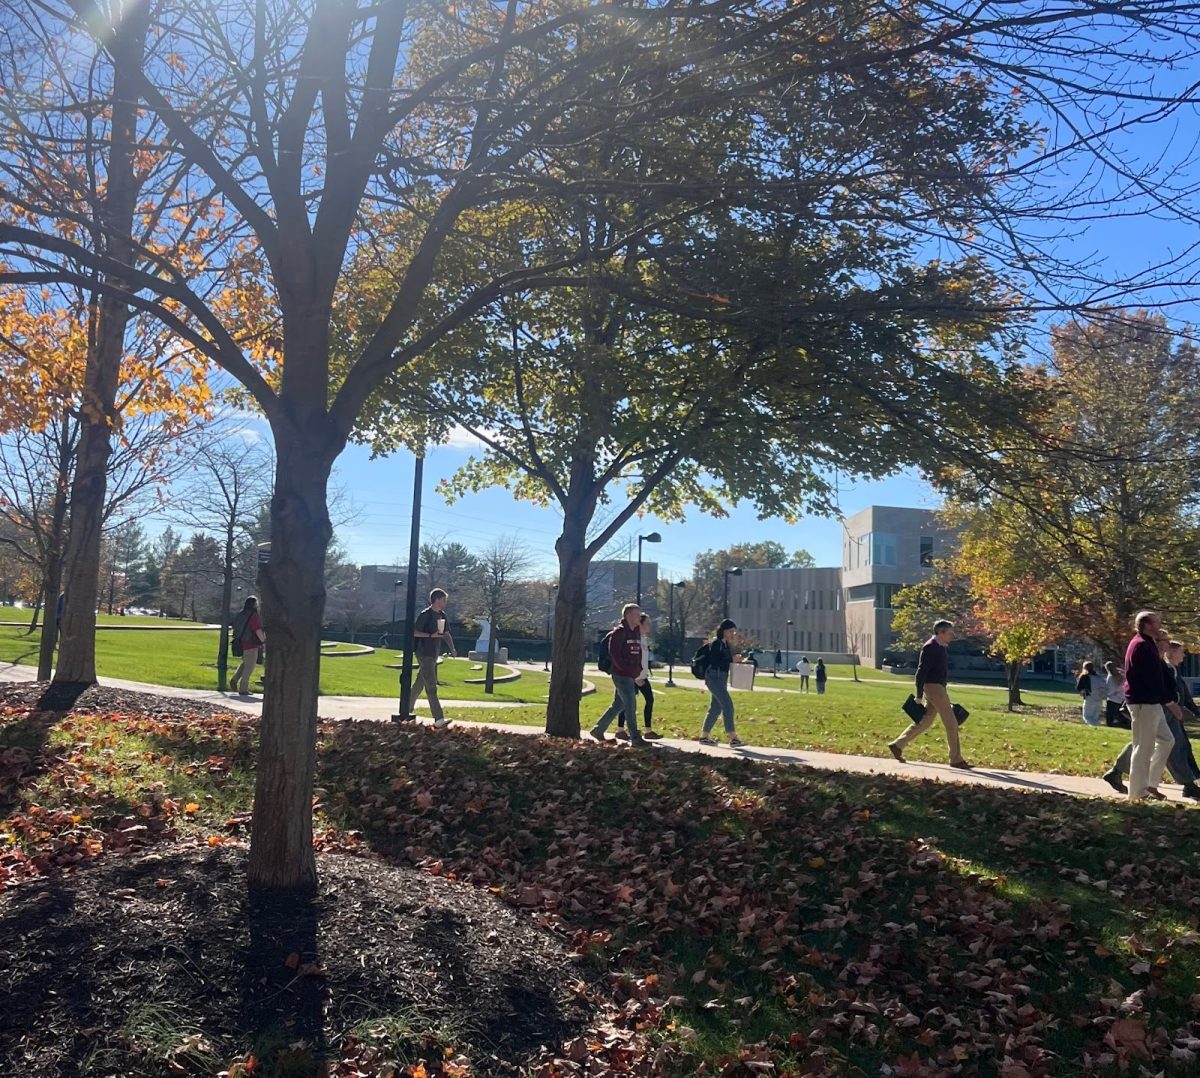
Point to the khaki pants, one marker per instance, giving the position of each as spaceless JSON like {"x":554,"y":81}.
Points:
{"x":1152,"y":745}
{"x":427,"y":680}
{"x":937,"y":701}
{"x":243,"y":672}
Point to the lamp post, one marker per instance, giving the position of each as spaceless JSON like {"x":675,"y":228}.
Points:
{"x":736,"y":571}
{"x":671,"y":629}
{"x":396,"y":586}
{"x":788,"y":661}
{"x":653,"y":537}
{"x":549,"y":595}
{"x":410,"y":594}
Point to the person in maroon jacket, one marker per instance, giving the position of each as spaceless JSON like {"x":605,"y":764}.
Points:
{"x":625,"y":650}
{"x":1149,"y":687}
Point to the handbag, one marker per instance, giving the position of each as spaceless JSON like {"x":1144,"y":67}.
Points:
{"x":960,"y":713}
{"x":912,"y":709}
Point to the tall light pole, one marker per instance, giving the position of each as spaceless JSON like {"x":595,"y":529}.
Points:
{"x":788,"y":660}
{"x":396,"y":586}
{"x":671,"y":629}
{"x":410,"y":594}
{"x":736,"y":571}
{"x":653,"y":537}
{"x":549,"y":595}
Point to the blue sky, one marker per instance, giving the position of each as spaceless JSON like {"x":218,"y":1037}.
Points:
{"x":380,"y":492}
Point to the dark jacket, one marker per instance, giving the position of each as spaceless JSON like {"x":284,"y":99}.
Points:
{"x":820,"y":673}
{"x":625,"y":650}
{"x":933,"y":667}
{"x":720,"y":656}
{"x":1148,"y":680}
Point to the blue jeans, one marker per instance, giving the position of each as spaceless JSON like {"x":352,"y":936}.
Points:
{"x":717,"y":683}
{"x":624,"y":699}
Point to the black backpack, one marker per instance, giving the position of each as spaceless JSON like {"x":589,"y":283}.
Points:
{"x":604,"y":659}
{"x":700,"y":662}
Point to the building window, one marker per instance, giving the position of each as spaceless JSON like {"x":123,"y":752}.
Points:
{"x":820,"y":641}
{"x":821,"y":599}
{"x":884,"y":593}
{"x":882,"y":548}
{"x":927,"y":550}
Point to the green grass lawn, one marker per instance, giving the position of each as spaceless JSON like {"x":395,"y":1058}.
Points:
{"x":25,"y":615}
{"x":852,"y":717}
{"x":188,"y":661}
{"x":813,"y":923}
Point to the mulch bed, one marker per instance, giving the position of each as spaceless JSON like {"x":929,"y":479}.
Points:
{"x":159,"y":963}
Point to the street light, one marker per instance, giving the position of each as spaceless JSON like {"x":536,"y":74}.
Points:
{"x":788,"y":661}
{"x":737,"y":571}
{"x":671,"y":629}
{"x":396,"y":586}
{"x":549,"y":595}
{"x":653,"y":537}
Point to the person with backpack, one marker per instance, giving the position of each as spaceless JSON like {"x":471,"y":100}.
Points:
{"x":715,"y":658}
{"x":821,"y":675}
{"x":246,"y":639}
{"x":621,"y":656}
{"x":643,"y":686}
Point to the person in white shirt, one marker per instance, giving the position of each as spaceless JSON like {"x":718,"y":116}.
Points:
{"x":1114,"y":705}
{"x":643,"y":686}
{"x":804,"y":669}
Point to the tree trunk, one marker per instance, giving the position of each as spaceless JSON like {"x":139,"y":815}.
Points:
{"x":292,"y":587}
{"x":489,"y":674}
{"x":52,"y":571}
{"x":77,"y":654}
{"x":1014,"y":685}
{"x":570,"y":608}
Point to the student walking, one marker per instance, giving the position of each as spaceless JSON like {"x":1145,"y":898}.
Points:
{"x":804,"y":669}
{"x":1114,"y":704}
{"x":248,"y":632}
{"x":1181,"y":762}
{"x":643,"y":686}
{"x":1091,"y":686}
{"x":933,"y":670}
{"x":429,"y":633}
{"x":1146,"y":692}
{"x":820,"y":676}
{"x":716,"y":680}
{"x":624,"y":643}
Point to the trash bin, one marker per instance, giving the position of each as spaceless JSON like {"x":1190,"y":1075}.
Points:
{"x":741,"y":676}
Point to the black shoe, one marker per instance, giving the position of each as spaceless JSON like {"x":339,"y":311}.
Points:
{"x":1114,"y":780}
{"x":1190,"y":789}
{"x":962,"y":765}
{"x":898,"y":754}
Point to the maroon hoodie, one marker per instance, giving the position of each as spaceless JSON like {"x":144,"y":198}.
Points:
{"x":625,"y":650}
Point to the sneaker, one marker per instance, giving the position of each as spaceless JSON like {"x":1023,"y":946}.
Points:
{"x":898,"y":754}
{"x":1155,"y":793}
{"x":1114,"y":780}
{"x":639,"y":743}
{"x":598,"y":734}
{"x":652,"y":735}
{"x":962,"y":765}
{"x":622,"y":734}
{"x":442,"y":723}
{"x":704,"y":739}
{"x":736,"y":742}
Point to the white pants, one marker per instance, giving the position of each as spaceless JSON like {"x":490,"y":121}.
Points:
{"x":1152,"y":744}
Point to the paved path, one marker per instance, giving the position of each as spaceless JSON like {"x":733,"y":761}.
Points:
{"x":382,"y":708}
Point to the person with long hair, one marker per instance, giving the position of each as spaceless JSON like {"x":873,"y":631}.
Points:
{"x":248,"y":632}
{"x":1092,"y":688}
{"x":716,"y":680}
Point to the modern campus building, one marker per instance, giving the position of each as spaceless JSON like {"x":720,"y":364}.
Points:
{"x":836,"y":612}
{"x":612,"y":584}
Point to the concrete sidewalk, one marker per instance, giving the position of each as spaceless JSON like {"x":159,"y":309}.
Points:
{"x":348,"y":708}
